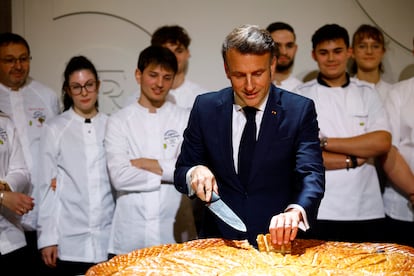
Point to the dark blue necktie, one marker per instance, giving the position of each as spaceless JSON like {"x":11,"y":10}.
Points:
{"x":247,"y":145}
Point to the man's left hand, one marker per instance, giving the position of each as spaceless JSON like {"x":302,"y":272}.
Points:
{"x":284,"y":227}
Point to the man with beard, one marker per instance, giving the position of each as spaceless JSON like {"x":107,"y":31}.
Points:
{"x":285,"y":39}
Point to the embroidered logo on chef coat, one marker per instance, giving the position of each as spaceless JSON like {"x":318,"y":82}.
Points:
{"x":171,"y":138}
{"x":3,"y":136}
{"x":38,"y":117}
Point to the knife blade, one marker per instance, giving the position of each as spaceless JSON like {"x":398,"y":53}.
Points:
{"x":220,"y":209}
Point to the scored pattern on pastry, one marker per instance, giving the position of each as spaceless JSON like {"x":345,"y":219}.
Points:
{"x":225,"y":258}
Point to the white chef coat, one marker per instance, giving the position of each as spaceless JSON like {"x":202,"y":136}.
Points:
{"x":77,"y":216}
{"x":348,"y":111}
{"x":13,"y":170}
{"x":147,"y":203}
{"x":183,"y":96}
{"x":399,"y":104}
{"x":289,"y":84}
{"x":383,"y":89}
{"x":29,"y":108}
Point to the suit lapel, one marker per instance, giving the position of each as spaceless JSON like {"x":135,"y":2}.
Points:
{"x":272,"y":118}
{"x":225,"y":136}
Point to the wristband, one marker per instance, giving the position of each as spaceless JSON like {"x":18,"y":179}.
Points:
{"x":323,"y":142}
{"x":5,"y":186}
{"x":354,"y":161}
{"x":348,"y":162}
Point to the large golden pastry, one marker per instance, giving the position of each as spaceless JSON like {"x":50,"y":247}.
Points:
{"x":224,"y":257}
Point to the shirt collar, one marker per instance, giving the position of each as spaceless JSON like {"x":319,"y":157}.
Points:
{"x":260,"y":108}
{"x":322,"y":82}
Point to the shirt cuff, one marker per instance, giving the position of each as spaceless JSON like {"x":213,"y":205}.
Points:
{"x":167,"y":167}
{"x":304,"y":224}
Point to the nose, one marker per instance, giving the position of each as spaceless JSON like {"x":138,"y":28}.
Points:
{"x":282,"y":50}
{"x":160,"y":81}
{"x":17,"y":63}
{"x":83,"y":91}
{"x":249,"y":86}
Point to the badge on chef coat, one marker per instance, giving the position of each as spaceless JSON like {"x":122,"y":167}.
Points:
{"x":39,"y":117}
{"x":171,"y":138}
{"x":3,"y":136}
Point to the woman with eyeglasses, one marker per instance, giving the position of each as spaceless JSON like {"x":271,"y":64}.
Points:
{"x":77,"y":204}
{"x":368,"y":50}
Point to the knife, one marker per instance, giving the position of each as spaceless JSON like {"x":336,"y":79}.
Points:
{"x":220,"y":209}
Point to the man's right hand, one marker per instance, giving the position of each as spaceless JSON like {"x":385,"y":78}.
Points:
{"x":18,"y":203}
{"x":203,"y":182}
{"x":49,"y":255}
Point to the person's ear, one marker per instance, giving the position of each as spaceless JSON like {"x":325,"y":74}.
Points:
{"x":67,"y":91}
{"x":349,"y":52}
{"x":314,"y":55}
{"x":352,"y":52}
{"x":138,"y":76}
{"x":98,"y":84}
{"x":226,"y":69}
{"x":273,"y":63}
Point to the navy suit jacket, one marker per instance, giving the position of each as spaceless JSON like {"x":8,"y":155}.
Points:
{"x":287,"y":165}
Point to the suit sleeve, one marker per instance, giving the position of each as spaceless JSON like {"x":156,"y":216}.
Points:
{"x":192,"y":150}
{"x":310,"y":172}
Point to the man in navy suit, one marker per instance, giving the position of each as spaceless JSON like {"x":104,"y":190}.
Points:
{"x":287,"y":178}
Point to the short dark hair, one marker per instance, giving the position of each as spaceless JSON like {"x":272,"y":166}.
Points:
{"x":157,"y":55}
{"x":76,"y":63}
{"x":7,"y":38}
{"x":277,"y":26}
{"x":330,"y":32}
{"x":368,"y":31}
{"x":171,"y":34}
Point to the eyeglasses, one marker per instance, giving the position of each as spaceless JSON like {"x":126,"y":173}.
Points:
{"x":12,"y":60}
{"x":76,"y":88}
{"x":372,"y":47}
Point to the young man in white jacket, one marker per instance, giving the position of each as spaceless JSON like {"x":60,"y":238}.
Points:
{"x":142,"y":142}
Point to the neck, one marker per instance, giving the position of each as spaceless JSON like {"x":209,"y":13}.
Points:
{"x":281,"y":76}
{"x":150,"y":105}
{"x":16,"y":87}
{"x":178,"y":80}
{"x":87,"y":114}
{"x":335,"y":82}
{"x":370,"y":76}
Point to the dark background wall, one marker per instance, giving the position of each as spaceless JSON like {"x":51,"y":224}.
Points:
{"x":5,"y":16}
